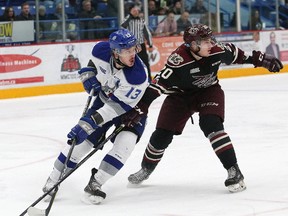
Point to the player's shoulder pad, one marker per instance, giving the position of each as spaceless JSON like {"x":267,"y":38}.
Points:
{"x":136,"y":75}
{"x":179,"y":57}
{"x":102,"y":51}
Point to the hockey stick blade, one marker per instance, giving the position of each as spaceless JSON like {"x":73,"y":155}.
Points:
{"x":33,"y":211}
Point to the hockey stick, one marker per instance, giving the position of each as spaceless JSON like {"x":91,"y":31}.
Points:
{"x":33,"y":211}
{"x":87,"y":105}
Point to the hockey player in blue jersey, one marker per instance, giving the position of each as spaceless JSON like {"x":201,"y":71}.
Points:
{"x":119,"y":79}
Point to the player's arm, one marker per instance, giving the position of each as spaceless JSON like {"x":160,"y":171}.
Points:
{"x":133,"y":116}
{"x":265,"y":60}
{"x":159,"y":85}
{"x":126,"y":21}
{"x":122,"y":100}
{"x":235,"y":55}
{"x":147,"y":35}
{"x":87,"y":75}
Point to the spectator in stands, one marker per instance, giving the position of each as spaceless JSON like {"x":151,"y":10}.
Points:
{"x":8,"y":15}
{"x":137,"y":25}
{"x":25,"y":13}
{"x":177,"y":8}
{"x":168,"y":26}
{"x":152,"y":9}
{"x":255,"y":22}
{"x":163,"y":11}
{"x":198,"y":7}
{"x":168,"y":3}
{"x":273,"y":47}
{"x":183,"y":22}
{"x":44,"y":24}
{"x":129,"y":3}
{"x":257,"y":43}
{"x":88,"y":27}
{"x":164,"y":7}
{"x":70,"y":30}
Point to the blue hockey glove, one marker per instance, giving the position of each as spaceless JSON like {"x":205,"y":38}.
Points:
{"x":267,"y":61}
{"x":80,"y":132}
{"x":87,"y":76}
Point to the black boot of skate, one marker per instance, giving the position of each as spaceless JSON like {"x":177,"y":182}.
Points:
{"x":140,"y":176}
{"x":235,"y":179}
{"x":143,"y":174}
{"x":93,"y":192}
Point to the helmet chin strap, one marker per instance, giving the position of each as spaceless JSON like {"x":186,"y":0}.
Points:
{"x":117,"y":61}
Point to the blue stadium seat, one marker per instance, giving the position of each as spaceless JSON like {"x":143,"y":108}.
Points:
{"x":50,"y":9}
{"x":17,"y":10}
{"x":15,"y":2}
{"x":2,"y":9}
{"x":101,"y":8}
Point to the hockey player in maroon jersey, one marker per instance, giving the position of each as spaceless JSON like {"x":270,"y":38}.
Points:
{"x":190,"y":80}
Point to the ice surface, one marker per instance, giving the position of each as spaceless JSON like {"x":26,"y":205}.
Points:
{"x":188,"y":181}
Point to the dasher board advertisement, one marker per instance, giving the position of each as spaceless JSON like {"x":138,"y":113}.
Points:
{"x":16,"y":31}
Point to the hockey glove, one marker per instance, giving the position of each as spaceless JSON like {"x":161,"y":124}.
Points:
{"x":87,"y":76}
{"x":80,"y":132}
{"x":267,"y":61}
{"x":134,"y":116}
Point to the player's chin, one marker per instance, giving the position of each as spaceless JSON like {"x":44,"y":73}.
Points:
{"x":131,"y":62}
{"x":206,"y":54}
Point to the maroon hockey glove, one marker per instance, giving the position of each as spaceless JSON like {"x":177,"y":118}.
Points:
{"x":267,"y":61}
{"x":134,"y":116}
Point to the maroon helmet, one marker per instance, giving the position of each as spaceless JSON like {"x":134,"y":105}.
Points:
{"x":197,"y":32}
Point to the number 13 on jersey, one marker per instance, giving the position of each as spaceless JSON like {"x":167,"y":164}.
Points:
{"x":133,"y":93}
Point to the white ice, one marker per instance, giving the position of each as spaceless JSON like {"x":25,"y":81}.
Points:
{"x":188,"y":181}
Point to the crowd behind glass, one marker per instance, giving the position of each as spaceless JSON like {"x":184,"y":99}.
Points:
{"x":96,"y":19}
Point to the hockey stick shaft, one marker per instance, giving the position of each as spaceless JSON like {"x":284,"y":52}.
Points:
{"x":47,"y":210}
{"x":112,"y":135}
{"x":86,"y":107}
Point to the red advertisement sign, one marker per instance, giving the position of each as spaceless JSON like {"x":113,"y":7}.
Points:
{"x":162,"y":49}
{"x":17,"y":62}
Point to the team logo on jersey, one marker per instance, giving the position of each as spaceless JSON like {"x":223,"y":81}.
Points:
{"x":175,"y":59}
{"x":102,"y":70}
{"x":204,"y":81}
{"x":110,"y":86}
